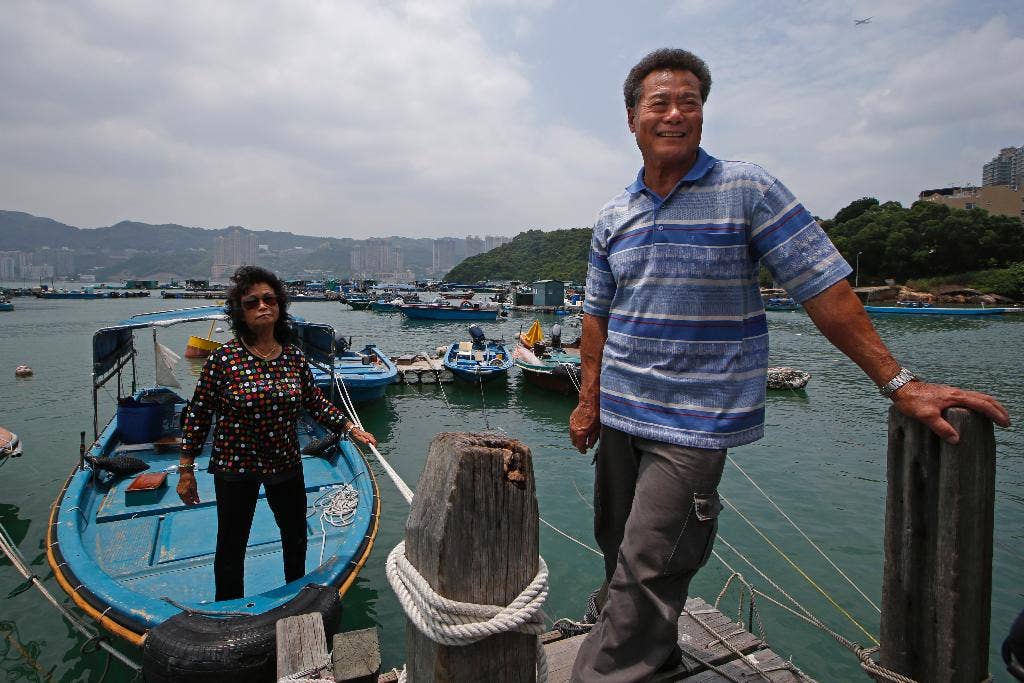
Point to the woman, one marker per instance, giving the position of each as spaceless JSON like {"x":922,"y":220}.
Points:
{"x":257,"y":384}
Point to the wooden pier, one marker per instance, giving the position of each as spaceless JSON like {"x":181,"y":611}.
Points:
{"x":472,"y":535}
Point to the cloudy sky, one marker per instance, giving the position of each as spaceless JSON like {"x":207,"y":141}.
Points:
{"x":448,"y":117}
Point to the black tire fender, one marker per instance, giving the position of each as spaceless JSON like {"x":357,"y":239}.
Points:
{"x":198,"y":648}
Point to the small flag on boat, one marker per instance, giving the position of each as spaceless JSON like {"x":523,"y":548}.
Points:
{"x":533,"y":335}
{"x":166,"y":361}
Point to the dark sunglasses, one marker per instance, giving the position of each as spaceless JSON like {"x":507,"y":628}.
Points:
{"x":253,"y":302}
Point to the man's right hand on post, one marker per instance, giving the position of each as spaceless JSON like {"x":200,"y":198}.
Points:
{"x":584,"y":426}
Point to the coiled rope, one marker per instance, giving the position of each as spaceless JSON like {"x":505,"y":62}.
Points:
{"x":454,"y":623}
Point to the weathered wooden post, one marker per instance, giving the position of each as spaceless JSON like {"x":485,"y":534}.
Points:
{"x":472,"y":534}
{"x":936,"y":595}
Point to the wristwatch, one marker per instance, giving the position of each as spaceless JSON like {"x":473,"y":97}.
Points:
{"x":904,"y":376}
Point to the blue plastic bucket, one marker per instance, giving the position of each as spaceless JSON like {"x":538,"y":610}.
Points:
{"x":140,"y":422}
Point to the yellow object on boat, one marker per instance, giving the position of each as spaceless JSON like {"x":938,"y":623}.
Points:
{"x":533,"y":335}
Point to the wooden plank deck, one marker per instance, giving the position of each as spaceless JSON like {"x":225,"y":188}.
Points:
{"x":702,"y":651}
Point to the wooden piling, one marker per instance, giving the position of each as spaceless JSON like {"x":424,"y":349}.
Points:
{"x":472,"y":534}
{"x":936,"y":596}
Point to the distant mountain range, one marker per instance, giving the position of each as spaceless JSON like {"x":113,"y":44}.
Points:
{"x":143,"y":251}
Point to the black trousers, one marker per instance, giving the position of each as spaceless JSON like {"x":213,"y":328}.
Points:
{"x":236,"y":505}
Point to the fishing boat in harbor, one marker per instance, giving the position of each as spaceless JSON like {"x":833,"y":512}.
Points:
{"x":781,"y":303}
{"x":5,"y":304}
{"x":553,"y":367}
{"x":384,"y":305}
{"x":139,"y":562}
{"x":364,"y":375}
{"x":85,"y":293}
{"x":358,"y":302}
{"x":477,"y":361}
{"x":933,"y":310}
{"x":444,"y":311}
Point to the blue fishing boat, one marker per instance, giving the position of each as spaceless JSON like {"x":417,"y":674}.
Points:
{"x":5,"y":305}
{"x":140,"y":562}
{"x":477,"y":361}
{"x":362,"y":375}
{"x":781,"y":303}
{"x":444,"y":311}
{"x":386,"y":305}
{"x":932,"y":310}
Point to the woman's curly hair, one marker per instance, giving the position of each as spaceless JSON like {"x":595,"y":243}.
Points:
{"x":243,"y":279}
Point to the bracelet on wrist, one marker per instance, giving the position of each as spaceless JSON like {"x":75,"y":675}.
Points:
{"x":902,"y":378}
{"x":186,"y":467}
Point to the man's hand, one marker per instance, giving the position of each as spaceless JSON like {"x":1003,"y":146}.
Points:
{"x":584,"y":426}
{"x":187,"y":489}
{"x":925,"y":402}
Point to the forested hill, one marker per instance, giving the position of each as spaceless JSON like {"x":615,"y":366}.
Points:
{"x":530,"y":256}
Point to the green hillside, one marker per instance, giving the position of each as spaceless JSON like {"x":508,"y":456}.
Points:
{"x":531,"y":255}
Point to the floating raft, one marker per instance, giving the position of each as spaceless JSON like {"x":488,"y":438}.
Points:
{"x":419,"y":370}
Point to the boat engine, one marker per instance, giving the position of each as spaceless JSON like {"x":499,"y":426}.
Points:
{"x":478,"y":336}
{"x":556,"y":336}
{"x":341,"y":344}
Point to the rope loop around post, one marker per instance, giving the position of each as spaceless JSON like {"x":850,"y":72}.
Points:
{"x":454,"y":623}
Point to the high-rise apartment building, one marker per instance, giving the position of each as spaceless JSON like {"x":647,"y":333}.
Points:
{"x":1007,"y":168}
{"x":474,"y":245}
{"x":444,"y":255}
{"x":376,"y":258}
{"x":492,"y":241}
{"x":236,"y":248}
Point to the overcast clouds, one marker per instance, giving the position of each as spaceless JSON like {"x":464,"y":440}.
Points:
{"x":431,"y":118}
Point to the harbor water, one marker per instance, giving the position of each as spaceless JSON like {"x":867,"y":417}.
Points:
{"x":822,"y":461}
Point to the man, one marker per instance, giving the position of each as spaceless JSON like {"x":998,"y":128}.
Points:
{"x":675,"y":351}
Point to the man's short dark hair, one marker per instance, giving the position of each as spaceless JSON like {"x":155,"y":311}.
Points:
{"x":659,"y":60}
{"x":243,"y":279}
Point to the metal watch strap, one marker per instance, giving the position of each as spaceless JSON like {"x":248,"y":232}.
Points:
{"x":904,"y":376}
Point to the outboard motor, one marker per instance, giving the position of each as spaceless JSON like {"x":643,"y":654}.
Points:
{"x":478,"y":336}
{"x":556,"y":336}
{"x":341,"y":345}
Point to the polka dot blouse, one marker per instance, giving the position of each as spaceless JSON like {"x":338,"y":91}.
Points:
{"x":257,"y":403}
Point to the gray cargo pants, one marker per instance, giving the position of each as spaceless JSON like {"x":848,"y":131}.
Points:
{"x":655,"y":516}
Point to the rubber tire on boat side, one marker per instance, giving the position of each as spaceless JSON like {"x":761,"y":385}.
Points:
{"x":198,"y":648}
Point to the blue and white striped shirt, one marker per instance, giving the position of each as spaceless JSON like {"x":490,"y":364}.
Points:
{"x":687,"y":349}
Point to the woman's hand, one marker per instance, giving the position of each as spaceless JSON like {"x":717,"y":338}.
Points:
{"x":187,"y":489}
{"x":362,"y":436}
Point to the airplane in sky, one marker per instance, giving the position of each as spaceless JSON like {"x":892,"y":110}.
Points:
{"x":859,"y":22}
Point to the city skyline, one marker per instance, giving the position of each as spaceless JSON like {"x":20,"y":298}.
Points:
{"x":491,"y":113}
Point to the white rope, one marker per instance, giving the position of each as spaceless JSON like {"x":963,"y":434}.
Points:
{"x":454,"y":623}
{"x":338,"y":508}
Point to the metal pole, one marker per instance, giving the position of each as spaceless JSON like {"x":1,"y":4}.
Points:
{"x":856,"y":271}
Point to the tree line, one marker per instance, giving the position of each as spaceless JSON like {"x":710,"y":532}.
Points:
{"x":925,"y":240}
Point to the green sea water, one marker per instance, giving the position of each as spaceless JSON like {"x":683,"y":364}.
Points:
{"x":822,"y":461}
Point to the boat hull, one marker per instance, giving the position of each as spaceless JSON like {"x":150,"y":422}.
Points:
{"x":364,"y":381}
{"x":477,"y":365}
{"x":923,"y":310}
{"x":199,"y":347}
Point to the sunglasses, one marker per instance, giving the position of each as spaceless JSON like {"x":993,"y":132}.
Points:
{"x":251,"y":303}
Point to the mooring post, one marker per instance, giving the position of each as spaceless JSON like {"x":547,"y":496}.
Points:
{"x":472,"y":534}
{"x":937,"y":585}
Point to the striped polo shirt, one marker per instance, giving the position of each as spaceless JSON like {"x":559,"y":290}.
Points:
{"x":687,"y":351}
